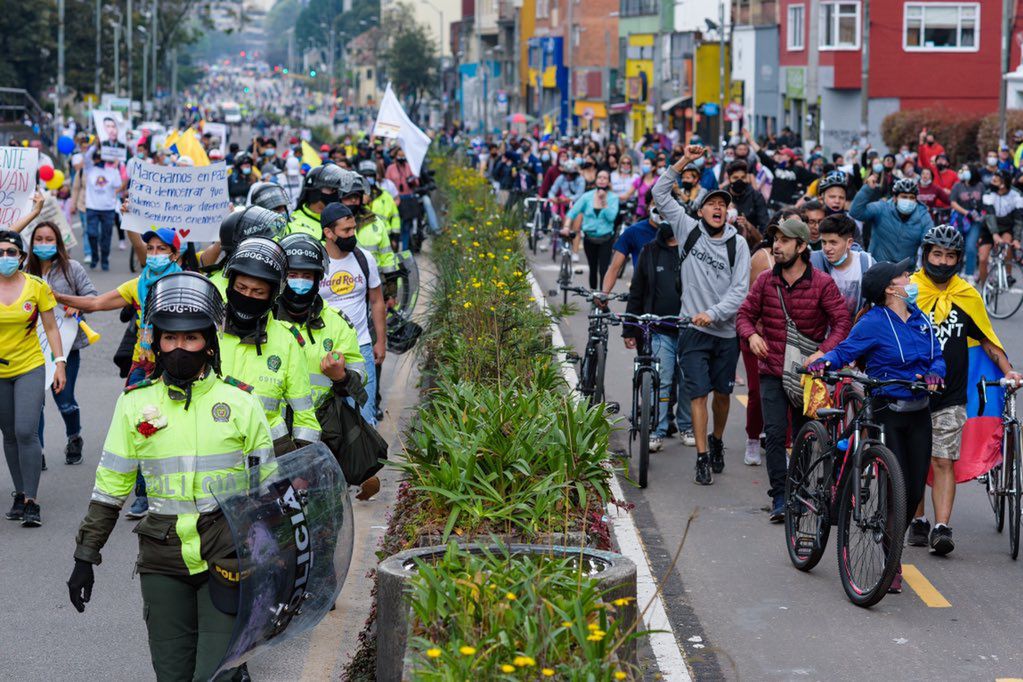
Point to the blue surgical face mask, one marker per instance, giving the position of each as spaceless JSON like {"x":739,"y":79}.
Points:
{"x":700,"y":161}
{"x":44,"y":251}
{"x":9,"y":265}
{"x":246,"y":171}
{"x":911,"y":290}
{"x":905,"y":206}
{"x":646,"y":168}
{"x":269,"y":152}
{"x":841,"y":261}
{"x":299,"y":285}
{"x":965,"y":176}
{"x":877,"y":168}
{"x":158,"y":262}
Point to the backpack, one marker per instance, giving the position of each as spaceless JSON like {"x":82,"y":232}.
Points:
{"x":694,"y":236}
{"x":364,"y":266}
{"x":355,"y":444}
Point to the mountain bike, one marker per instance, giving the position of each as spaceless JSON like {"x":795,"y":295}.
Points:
{"x":1003,"y":482}
{"x":562,"y":246}
{"x":1002,"y":292}
{"x":841,"y":473}
{"x":646,"y":386}
{"x":594,"y":357}
{"x":536,"y":210}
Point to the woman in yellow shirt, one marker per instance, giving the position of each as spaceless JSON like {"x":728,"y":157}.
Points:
{"x":24,"y":300}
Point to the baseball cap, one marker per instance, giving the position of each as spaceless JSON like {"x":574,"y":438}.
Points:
{"x":166,"y":235}
{"x":727,"y":196}
{"x":793,"y":227}
{"x":880,"y":275}
{"x":334,"y":212}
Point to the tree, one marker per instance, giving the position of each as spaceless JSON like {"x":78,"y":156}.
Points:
{"x":411,"y":59}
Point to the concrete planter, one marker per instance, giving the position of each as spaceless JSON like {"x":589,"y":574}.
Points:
{"x":616,"y":577}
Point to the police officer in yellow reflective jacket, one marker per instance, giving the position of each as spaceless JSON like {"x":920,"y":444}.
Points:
{"x":331,"y":345}
{"x":322,"y":186}
{"x":370,"y":231}
{"x":253,"y":221}
{"x":262,"y":352}
{"x":194,"y":435}
{"x":381,"y":203}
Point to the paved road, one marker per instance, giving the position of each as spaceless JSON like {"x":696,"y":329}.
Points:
{"x":741,"y":611}
{"x":45,"y":638}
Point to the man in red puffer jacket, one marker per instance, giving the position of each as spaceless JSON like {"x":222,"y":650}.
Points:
{"x":814,"y":303}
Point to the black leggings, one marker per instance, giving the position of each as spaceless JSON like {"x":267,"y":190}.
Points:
{"x":598,"y":255}
{"x":908,"y":436}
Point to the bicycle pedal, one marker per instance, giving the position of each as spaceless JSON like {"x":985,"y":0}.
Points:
{"x":612,"y":407}
{"x":572,"y":356}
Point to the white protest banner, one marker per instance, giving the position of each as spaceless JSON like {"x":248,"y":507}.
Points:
{"x":67,"y":328}
{"x":393,"y":122}
{"x":191,"y":200}
{"x":219,"y":132}
{"x":18,"y":167}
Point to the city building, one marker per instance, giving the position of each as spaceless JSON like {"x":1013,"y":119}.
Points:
{"x":362,"y":52}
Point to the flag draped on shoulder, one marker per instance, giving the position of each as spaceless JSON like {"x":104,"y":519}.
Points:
{"x":392,"y":122}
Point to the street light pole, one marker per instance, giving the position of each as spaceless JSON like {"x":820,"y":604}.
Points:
{"x":722,"y":82}
{"x":440,"y":51}
{"x":865,"y":76}
{"x":60,"y":69}
{"x":99,"y":30}
{"x":1007,"y":22}
{"x":128,"y":42}
{"x":117,"y":57}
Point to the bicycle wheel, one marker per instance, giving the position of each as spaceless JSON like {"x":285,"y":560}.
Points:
{"x":995,"y":495}
{"x":1003,"y":294}
{"x":565,"y":275}
{"x":1013,"y":491}
{"x":646,"y":402}
{"x":870,"y":549}
{"x":598,"y":373}
{"x":807,"y":496}
{"x":586,"y":375}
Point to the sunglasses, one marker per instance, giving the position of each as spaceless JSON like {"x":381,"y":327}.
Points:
{"x":12,"y":252}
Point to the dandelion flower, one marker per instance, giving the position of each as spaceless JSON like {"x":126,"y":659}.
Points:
{"x":524,"y":661}
{"x":619,"y":675}
{"x":623,"y":601}
{"x":566,"y":624}
{"x":510,"y":597}
{"x":467,"y":304}
{"x":433,"y":653}
{"x":466,"y":650}
{"x":507,"y":668}
{"x":592,"y":626}
{"x":547,"y":672}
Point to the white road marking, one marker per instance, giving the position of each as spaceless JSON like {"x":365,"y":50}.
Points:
{"x":670,"y":658}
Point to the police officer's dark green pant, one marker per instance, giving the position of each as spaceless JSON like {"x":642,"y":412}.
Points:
{"x":188,"y":635}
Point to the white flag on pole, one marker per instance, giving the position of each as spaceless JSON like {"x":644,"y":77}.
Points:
{"x":392,"y":122}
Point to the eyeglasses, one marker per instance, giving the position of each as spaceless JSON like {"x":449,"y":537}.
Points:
{"x":811,"y":221}
{"x":12,"y":252}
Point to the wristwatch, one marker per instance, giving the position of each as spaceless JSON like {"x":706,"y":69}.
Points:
{"x":60,"y":358}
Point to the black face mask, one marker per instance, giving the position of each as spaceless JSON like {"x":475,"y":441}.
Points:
{"x":182,"y":366}
{"x":346,"y":244}
{"x":828,"y":211}
{"x":687,"y":186}
{"x":299,"y":304}
{"x":739,"y":186}
{"x":665,"y":232}
{"x":327,"y":198}
{"x":940,"y":273}
{"x":244,"y":310}
{"x":713,"y":231}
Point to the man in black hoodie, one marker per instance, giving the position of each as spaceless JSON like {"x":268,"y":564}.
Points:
{"x":747,"y":201}
{"x":657,"y":289}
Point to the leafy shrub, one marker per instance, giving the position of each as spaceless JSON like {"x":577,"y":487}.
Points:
{"x":987,"y":136}
{"x":956,"y":131}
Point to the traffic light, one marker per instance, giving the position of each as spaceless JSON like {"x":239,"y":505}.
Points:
{"x":312,"y":74}
{"x":242,"y":53}
{"x":285,"y":69}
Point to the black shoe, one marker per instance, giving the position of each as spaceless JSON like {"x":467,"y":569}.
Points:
{"x":242,"y":674}
{"x":32,"y":518}
{"x":44,"y":462}
{"x":73,"y":450}
{"x":672,"y":430}
{"x":379,"y":415}
{"x":941,"y":540}
{"x":703,"y":475}
{"x":777,"y":509}
{"x":717,"y":454}
{"x":918,"y":530}
{"x":17,"y":512}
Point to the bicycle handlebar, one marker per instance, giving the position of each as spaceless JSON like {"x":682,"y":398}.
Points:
{"x":1010,"y":386}
{"x":595,"y":295}
{"x":870,"y":383}
{"x":649,"y":319}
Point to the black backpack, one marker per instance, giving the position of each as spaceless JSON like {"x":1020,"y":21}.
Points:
{"x":694,"y":236}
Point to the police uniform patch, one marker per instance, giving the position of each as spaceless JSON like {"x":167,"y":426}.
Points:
{"x":221,"y":412}
{"x":328,"y":344}
{"x":273,"y":363}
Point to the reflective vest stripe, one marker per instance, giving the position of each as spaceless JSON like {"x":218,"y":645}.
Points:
{"x":302,"y":403}
{"x":269,"y":404}
{"x":122,"y":465}
{"x":100,"y":496}
{"x":278,"y":430}
{"x":370,"y":247}
{"x":320,"y":380}
{"x":306,"y":434}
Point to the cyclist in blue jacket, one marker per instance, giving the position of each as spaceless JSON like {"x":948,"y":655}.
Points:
{"x":896,"y":340}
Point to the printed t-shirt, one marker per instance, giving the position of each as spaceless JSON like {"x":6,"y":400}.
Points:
{"x":344,"y":289}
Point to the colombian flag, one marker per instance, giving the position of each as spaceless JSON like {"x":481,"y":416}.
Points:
{"x":980,"y":448}
{"x":310,"y":156}
{"x":187,"y":144}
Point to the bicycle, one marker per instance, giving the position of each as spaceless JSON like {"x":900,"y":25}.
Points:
{"x":841,"y":473}
{"x":646,"y":386}
{"x":562,"y":246}
{"x":535,"y":209}
{"x":1003,"y":482}
{"x":594,"y":357}
{"x":1002,"y":293}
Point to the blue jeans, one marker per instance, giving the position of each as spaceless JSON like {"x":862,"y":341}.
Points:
{"x":87,"y":250}
{"x":66,"y":402}
{"x":369,"y":410}
{"x":665,"y":347}
{"x":99,"y":229}
{"x":972,"y":237}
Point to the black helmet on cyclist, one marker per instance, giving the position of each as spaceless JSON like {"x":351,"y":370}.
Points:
{"x":945,"y":237}
{"x":261,"y":258}
{"x":906,"y":186}
{"x":835,"y":178}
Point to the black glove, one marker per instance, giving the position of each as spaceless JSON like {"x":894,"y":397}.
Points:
{"x":80,"y":584}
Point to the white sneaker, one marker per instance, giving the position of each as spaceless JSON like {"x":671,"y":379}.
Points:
{"x":752,"y":456}
{"x":688,"y":438}
{"x":655,"y":443}
{"x":121,"y":246}
{"x":575,"y":257}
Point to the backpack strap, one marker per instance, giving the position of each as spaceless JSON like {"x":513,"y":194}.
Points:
{"x":364,"y":266}
{"x":694,"y":236}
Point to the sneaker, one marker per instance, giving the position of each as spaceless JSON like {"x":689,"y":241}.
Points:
{"x":752,"y":456}
{"x":17,"y":512}
{"x":896,"y":586}
{"x":918,"y":530}
{"x":31,"y":519}
{"x":121,"y":246}
{"x":703,"y":473}
{"x":778,"y":509}
{"x":138,"y":509}
{"x":655,"y":443}
{"x":575,"y":257}
{"x":73,"y":450}
{"x":688,"y":438}
{"x":941,"y":540}
{"x":370,"y":487}
{"x":717,"y":453}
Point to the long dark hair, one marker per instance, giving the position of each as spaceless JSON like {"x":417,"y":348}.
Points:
{"x":61,"y":261}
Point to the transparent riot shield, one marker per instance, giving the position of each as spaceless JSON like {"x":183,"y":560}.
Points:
{"x":291,"y":521}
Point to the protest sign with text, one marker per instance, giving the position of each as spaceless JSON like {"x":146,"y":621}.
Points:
{"x":18,"y":167}
{"x":191,"y":200}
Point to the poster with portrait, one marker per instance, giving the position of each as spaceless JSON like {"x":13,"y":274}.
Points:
{"x":112,"y":133}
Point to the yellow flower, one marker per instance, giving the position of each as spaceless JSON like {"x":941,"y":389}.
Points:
{"x":524,"y":661}
{"x":619,"y":675}
{"x":466,"y":650}
{"x":507,"y":258}
{"x":477,"y":285}
{"x":566,"y":624}
{"x":509,"y":596}
{"x":596,"y":636}
{"x":592,"y":626}
{"x":547,"y":672}
{"x":433,"y":653}
{"x":467,"y":304}
{"x":622,"y":601}
{"x":507,"y":668}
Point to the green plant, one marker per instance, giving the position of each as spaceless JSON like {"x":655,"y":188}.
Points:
{"x":990,"y":129}
{"x":499,"y":616}
{"x":955,"y":130}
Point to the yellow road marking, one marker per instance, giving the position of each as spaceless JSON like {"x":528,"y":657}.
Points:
{"x":742,"y":398}
{"x":923,"y":587}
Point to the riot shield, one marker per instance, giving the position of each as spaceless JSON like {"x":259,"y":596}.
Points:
{"x":291,"y":521}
